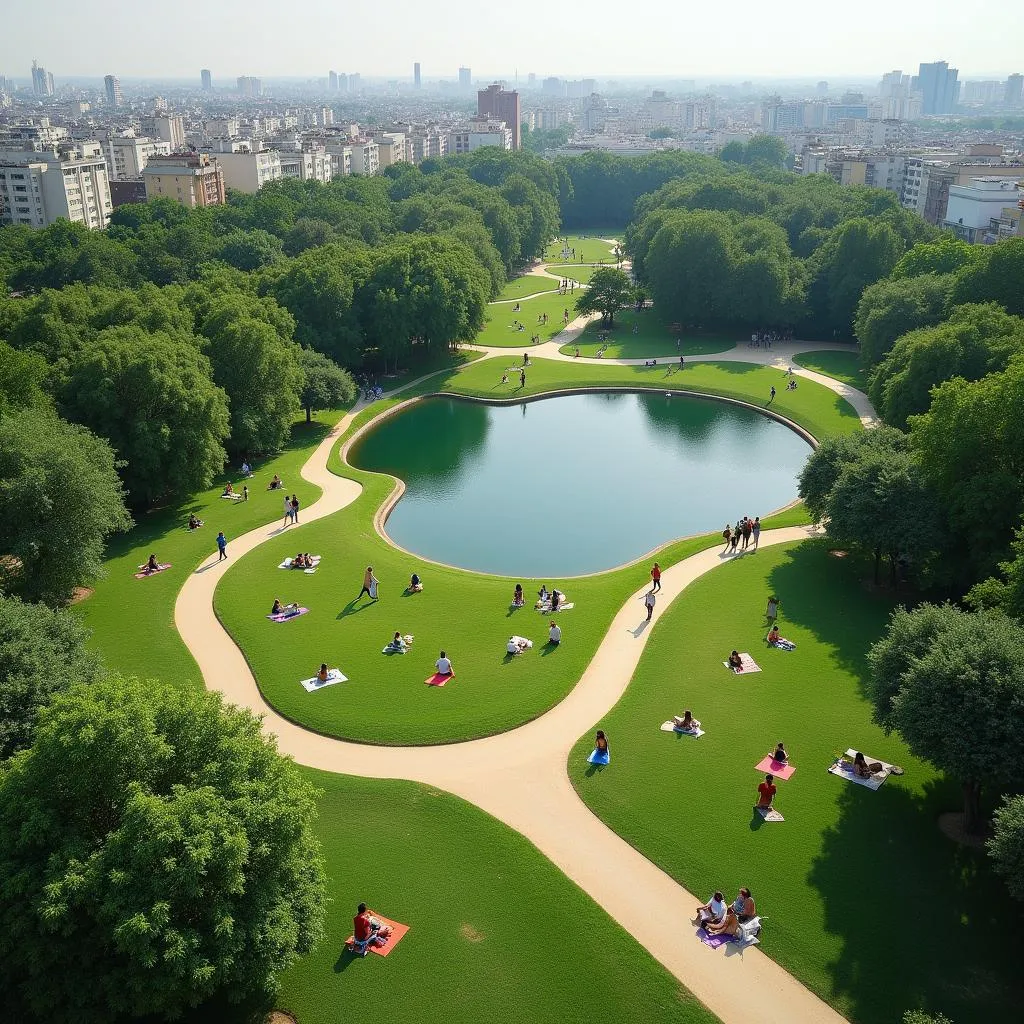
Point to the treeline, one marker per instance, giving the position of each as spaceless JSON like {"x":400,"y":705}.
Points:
{"x":738,"y":248}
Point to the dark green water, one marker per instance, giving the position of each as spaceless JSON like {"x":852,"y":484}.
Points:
{"x":576,"y":484}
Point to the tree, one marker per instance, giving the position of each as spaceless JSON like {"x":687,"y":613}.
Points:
{"x":250,"y":250}
{"x":976,"y":340}
{"x":946,"y":255}
{"x":22,"y":380}
{"x":938,"y":665}
{"x":608,"y":292}
{"x":769,"y":150}
{"x":920,"y":1017}
{"x":155,"y":850}
{"x":1006,"y":593}
{"x":996,"y":276}
{"x":153,"y":397}
{"x":891,"y":308}
{"x":325,"y":384}
{"x":59,"y":500}
{"x":1006,"y":847}
{"x":41,"y":652}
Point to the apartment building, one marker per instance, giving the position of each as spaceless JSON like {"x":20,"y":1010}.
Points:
{"x":310,"y":162}
{"x":250,"y":171}
{"x":69,"y":183}
{"x":365,"y":156}
{"x":975,"y":209}
{"x":127,"y":156}
{"x":502,"y":105}
{"x":476,"y":133}
{"x":192,"y":179}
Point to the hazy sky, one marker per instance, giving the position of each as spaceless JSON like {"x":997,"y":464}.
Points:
{"x":787,"y":38}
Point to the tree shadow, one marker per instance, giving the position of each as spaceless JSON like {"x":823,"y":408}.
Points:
{"x":923,"y":922}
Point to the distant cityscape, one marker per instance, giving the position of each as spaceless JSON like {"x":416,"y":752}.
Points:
{"x":952,"y":150}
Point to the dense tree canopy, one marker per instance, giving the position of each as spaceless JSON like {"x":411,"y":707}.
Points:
{"x":41,"y":652}
{"x":1007,"y":844}
{"x":155,"y":850}
{"x":60,"y":499}
{"x":608,"y":292}
{"x":325,"y":385}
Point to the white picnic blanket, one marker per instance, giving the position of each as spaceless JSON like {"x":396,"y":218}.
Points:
{"x":390,"y":649}
{"x":844,"y":769}
{"x":748,"y":663}
{"x":333,"y":676}
{"x":563,"y":606}
{"x":233,"y":497}
{"x":671,"y":727}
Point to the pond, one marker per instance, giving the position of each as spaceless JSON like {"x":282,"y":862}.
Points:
{"x":575,"y":484}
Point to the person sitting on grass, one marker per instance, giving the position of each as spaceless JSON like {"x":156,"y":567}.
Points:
{"x":687,"y":723}
{"x":729,"y":925}
{"x":283,"y":609}
{"x":397,"y":642}
{"x":443,"y":665}
{"x":862,"y":769}
{"x":366,"y":928}
{"x":276,"y":484}
{"x":246,"y":470}
{"x":779,"y":754}
{"x":776,"y":639}
{"x":713,"y":910}
{"x":415,"y":584}
{"x":556,"y":599}
{"x":736,"y":662}
{"x":743,"y":906}
{"x":229,"y":490}
{"x":554,"y":634}
{"x":518,"y":598}
{"x":152,"y":565}
{"x":194,"y":522}
{"x":324,"y":674}
{"x":543,"y":597}
{"x":766,"y":794}
{"x":516,"y":645}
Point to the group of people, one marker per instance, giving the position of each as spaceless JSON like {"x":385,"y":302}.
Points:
{"x":720,"y":918}
{"x":302,"y":561}
{"x":194,"y":522}
{"x":546,"y":599}
{"x":768,"y":338}
{"x":284,"y":609}
{"x":567,"y":287}
{"x":740,"y":535}
{"x":230,"y":492}
{"x":291,"y":510}
{"x":276,"y":484}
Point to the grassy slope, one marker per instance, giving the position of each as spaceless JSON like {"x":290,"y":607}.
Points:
{"x":498,"y":329}
{"x":593,"y":248}
{"x":498,"y":933}
{"x":579,"y":272}
{"x":847,"y":861}
{"x":528,"y":284}
{"x":652,"y":340}
{"x":844,"y":366}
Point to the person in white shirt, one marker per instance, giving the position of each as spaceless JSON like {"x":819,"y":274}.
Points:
{"x":713,"y":911}
{"x":649,"y":600}
{"x":443,"y":665}
{"x":554,"y":634}
{"x":518,"y":644}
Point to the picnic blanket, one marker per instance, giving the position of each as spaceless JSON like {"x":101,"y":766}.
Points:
{"x":397,"y":934}
{"x":142,"y":574}
{"x":232,"y":497}
{"x":780,"y":769}
{"x":438,"y":680}
{"x":748,"y":663}
{"x":599,"y":757}
{"x":782,"y":645}
{"x":389,"y":649}
{"x":333,"y":676}
{"x":544,"y":607}
{"x":315,"y":559}
{"x":285,"y":616}
{"x":769,"y":814}
{"x":672,"y":727}
{"x":844,"y":769}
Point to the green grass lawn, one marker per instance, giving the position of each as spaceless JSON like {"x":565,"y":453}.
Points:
{"x":497,"y":932}
{"x":844,"y":366}
{"x":593,"y":248}
{"x":575,"y":272}
{"x":132,"y":621}
{"x":498,"y":329}
{"x":866,"y":902}
{"x":528,"y":284}
{"x":652,"y":339}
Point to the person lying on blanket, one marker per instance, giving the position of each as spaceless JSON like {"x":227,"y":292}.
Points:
{"x":743,"y":906}
{"x":713,"y":910}
{"x":687,"y":723}
{"x":736,"y":662}
{"x":862,"y":769}
{"x":283,"y":609}
{"x":775,"y":639}
{"x":766,"y":793}
{"x":152,"y":565}
{"x":729,"y":925}
{"x":397,"y":642}
{"x":365,"y":927}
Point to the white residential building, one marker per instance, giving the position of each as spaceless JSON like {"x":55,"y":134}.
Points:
{"x":38,"y":189}
{"x":365,"y":156}
{"x":170,"y":128}
{"x":973,"y":207}
{"x":128,"y":156}
{"x":468,"y":137}
{"x":249,"y":172}
{"x":310,"y":163}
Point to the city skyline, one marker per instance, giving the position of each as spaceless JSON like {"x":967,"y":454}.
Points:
{"x":694,"y":43}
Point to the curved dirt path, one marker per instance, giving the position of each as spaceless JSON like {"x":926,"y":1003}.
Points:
{"x":519,"y":776}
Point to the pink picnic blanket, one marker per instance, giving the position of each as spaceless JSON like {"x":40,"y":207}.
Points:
{"x":152,"y":572}
{"x":779,"y":769}
{"x":285,"y":616}
{"x":438,"y":680}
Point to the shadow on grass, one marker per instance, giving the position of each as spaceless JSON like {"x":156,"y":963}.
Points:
{"x":351,"y":609}
{"x":958,"y":953}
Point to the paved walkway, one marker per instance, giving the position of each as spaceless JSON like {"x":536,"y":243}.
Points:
{"x":519,"y":776}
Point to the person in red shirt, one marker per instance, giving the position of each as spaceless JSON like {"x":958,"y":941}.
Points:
{"x":656,"y":577}
{"x":365,"y":926}
{"x":765,"y":793}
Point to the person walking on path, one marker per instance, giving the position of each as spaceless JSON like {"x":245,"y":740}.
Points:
{"x":295,"y":509}
{"x":369,"y":584}
{"x":755,"y":530}
{"x":727,"y":535}
{"x":222,"y":546}
{"x":649,"y":600}
{"x":287,"y":510}
{"x":748,"y":529}
{"x":656,"y":577}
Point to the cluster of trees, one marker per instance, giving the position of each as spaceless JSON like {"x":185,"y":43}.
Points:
{"x":748,"y":246}
{"x":156,"y":851}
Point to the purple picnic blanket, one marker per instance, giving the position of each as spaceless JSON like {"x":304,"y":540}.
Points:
{"x":714,"y":941}
{"x":285,"y":616}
